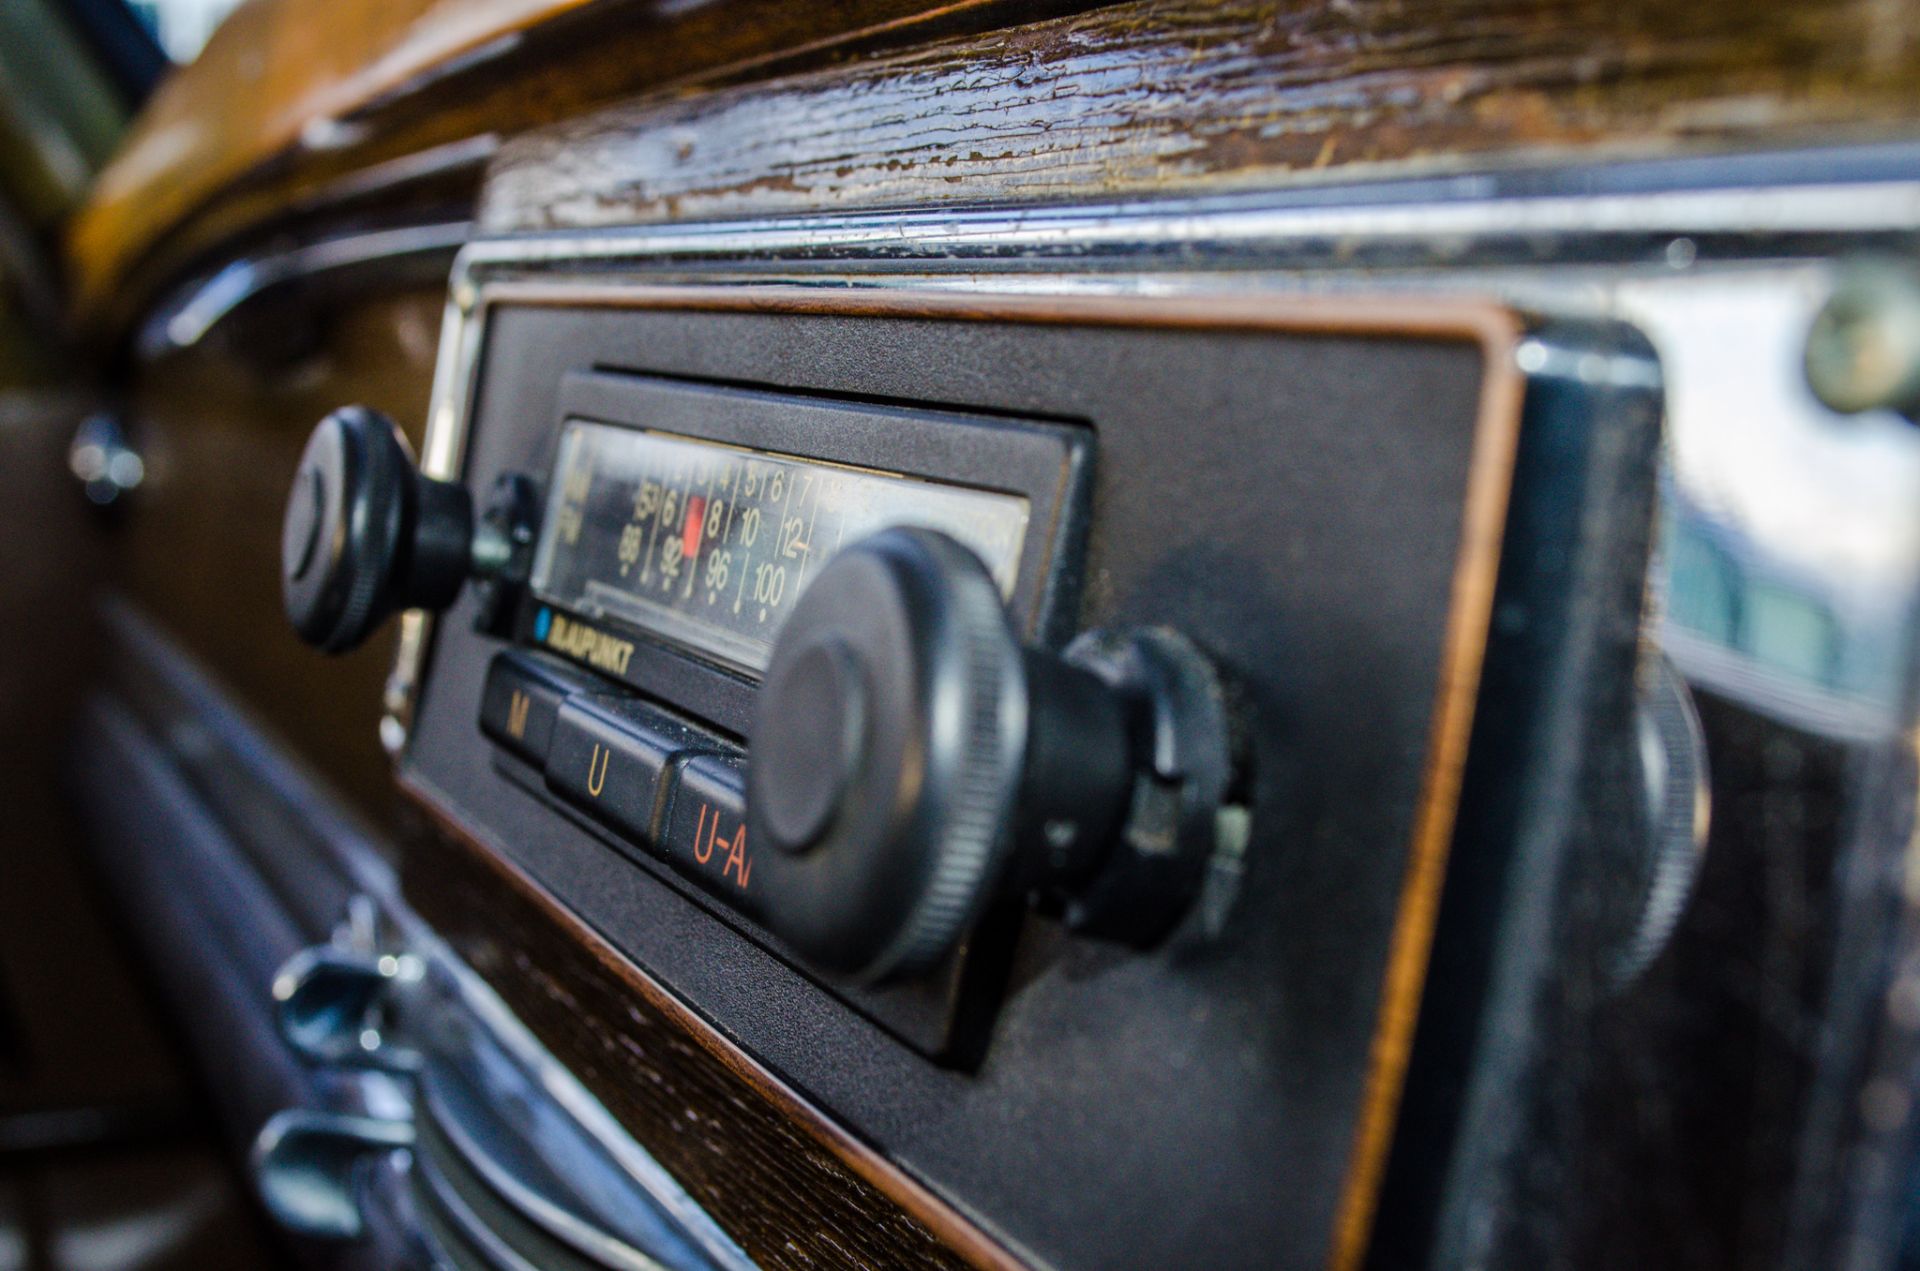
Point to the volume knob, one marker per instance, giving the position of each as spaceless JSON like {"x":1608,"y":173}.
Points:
{"x":910,"y":758}
{"x":366,"y":535}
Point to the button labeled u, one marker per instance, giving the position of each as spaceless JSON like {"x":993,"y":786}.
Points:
{"x":597,"y":770}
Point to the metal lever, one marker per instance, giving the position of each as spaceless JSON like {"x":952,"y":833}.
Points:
{"x":304,"y":1167}
{"x":331,"y":1004}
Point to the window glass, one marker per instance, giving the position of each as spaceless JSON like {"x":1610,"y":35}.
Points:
{"x":181,"y":26}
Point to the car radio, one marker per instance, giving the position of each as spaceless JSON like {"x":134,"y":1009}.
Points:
{"x":985,"y":669}
{"x":911,"y":752}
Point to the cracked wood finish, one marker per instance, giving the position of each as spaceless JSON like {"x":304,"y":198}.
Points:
{"x":295,"y":102}
{"x":300,"y":102}
{"x":792,"y":1189}
{"x":1184,"y":94}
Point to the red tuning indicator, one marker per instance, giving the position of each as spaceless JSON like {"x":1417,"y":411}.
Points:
{"x":690,"y":532}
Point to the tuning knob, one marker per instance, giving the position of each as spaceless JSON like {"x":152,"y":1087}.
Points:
{"x":366,"y":535}
{"x":910,"y":760}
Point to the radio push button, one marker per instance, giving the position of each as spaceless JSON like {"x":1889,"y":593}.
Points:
{"x":521,"y":701}
{"x":705,"y":835}
{"x":610,"y":758}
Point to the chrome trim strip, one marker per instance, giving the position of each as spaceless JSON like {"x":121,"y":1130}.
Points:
{"x":536,"y":1209}
{"x":1442,"y":232}
{"x":191,"y":314}
{"x":560,"y":1085}
{"x":436,"y":1203}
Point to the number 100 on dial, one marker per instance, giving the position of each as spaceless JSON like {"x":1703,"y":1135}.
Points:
{"x":707,"y":545}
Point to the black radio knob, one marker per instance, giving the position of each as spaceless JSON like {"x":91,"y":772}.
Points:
{"x":909,"y":760}
{"x":366,"y":535}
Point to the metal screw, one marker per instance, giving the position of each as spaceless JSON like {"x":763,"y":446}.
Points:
{"x":1863,"y":351}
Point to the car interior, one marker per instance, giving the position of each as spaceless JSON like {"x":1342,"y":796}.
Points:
{"x":1032,"y":635}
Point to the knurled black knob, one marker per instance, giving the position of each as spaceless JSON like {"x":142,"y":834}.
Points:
{"x":366,"y":535}
{"x":906,"y":749}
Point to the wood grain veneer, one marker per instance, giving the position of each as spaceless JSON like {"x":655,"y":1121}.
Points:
{"x":793,"y":1189}
{"x":1161,"y":95}
{"x":293,"y":100}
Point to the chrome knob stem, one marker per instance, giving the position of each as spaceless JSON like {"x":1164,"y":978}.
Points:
{"x":306,"y":1166}
{"x":335,"y":1006}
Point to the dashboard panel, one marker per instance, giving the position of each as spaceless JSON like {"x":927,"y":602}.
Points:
{"x":1347,"y":627}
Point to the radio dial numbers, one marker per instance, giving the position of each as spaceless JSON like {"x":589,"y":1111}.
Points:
{"x":710,"y":545}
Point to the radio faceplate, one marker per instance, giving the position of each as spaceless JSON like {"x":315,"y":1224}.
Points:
{"x":1315,"y":494}
{"x":686,"y":613}
{"x":661,"y":492}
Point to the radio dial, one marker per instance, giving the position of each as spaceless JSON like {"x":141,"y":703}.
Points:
{"x":910,"y":761}
{"x":366,"y":535}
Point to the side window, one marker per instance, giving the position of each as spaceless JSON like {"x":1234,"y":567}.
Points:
{"x":182,"y":27}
